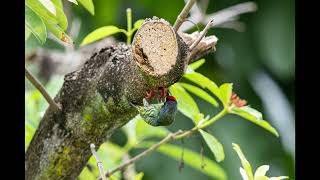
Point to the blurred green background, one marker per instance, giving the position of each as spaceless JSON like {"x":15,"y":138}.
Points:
{"x":260,"y":61}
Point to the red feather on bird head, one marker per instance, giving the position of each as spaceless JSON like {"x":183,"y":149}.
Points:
{"x":170,"y":98}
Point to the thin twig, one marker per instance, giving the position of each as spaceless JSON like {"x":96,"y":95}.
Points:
{"x":172,"y":136}
{"x":184,"y":13}
{"x":202,"y":34}
{"x":40,"y":87}
{"x":99,"y":163}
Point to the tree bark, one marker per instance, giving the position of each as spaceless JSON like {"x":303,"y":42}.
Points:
{"x":95,"y":100}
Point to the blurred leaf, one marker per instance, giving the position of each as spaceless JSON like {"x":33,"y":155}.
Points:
{"x":203,"y":82}
{"x":39,"y":9}
{"x":186,"y":104}
{"x":200,"y":93}
{"x":279,"y":178}
{"x":261,"y":171}
{"x":49,"y":6}
{"x":246,"y":113}
{"x":197,"y":64}
{"x":73,"y":1}
{"x":252,"y":112}
{"x":245,"y":164}
{"x":192,"y":159}
{"x":59,"y":33}
{"x":261,"y":178}
{"x":61,"y":17}
{"x":27,"y":32}
{"x":88,"y":4}
{"x":100,"y":33}
{"x":144,"y":130}
{"x":139,"y":176}
{"x":214,"y":145}
{"x":35,"y":24}
{"x":243,"y":174}
{"x":225,"y":92}
{"x":86,"y":174}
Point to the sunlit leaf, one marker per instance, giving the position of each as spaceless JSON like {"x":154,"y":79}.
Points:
{"x":203,"y":82}
{"x":138,"y":24}
{"x":243,"y":112}
{"x":261,"y":171}
{"x":197,"y":64}
{"x":225,"y":92}
{"x":61,"y":17}
{"x":74,"y":1}
{"x":200,"y":93}
{"x":139,"y":176}
{"x":186,"y":104}
{"x":35,"y":24}
{"x":87,"y":4}
{"x":252,"y":112}
{"x":244,"y":162}
{"x":39,"y":9}
{"x":49,"y":6}
{"x":262,"y":178}
{"x":243,"y":174}
{"x":192,"y":159}
{"x":214,"y":145}
{"x":100,"y":33}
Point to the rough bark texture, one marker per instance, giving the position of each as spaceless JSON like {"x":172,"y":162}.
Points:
{"x":95,"y":102}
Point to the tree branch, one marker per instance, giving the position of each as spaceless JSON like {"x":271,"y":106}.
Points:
{"x":171,"y":136}
{"x":41,"y":89}
{"x":183,"y":14}
{"x":99,"y":163}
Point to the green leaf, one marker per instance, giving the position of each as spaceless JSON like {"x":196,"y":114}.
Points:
{"x":59,"y":33}
{"x":35,"y":24}
{"x":225,"y":92}
{"x":27,"y":32}
{"x":246,"y":113}
{"x":214,"y":145}
{"x":88,"y":5}
{"x":49,"y":6}
{"x":73,"y":1}
{"x":192,"y":159}
{"x":139,"y":176}
{"x":40,"y":10}
{"x":197,"y":64}
{"x":203,"y":82}
{"x":143,"y":130}
{"x":245,"y":164}
{"x":61,"y":17}
{"x":86,"y":174}
{"x":200,"y":93}
{"x":261,"y":171}
{"x":100,"y":33}
{"x":186,"y":104}
{"x":137,"y":24}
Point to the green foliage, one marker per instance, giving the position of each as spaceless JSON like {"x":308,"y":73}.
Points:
{"x":214,"y":145}
{"x":35,"y":25}
{"x":100,"y":33}
{"x":246,"y":170}
{"x":255,"y":117}
{"x":43,"y":15}
{"x":192,"y":159}
{"x":106,"y":31}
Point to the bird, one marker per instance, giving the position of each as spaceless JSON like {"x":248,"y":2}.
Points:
{"x":158,"y":114}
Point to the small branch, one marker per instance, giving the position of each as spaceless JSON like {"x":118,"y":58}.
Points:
{"x":172,"y":136}
{"x":184,"y":13}
{"x":42,"y":90}
{"x":129,"y":25}
{"x":202,"y":34}
{"x":99,"y":163}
